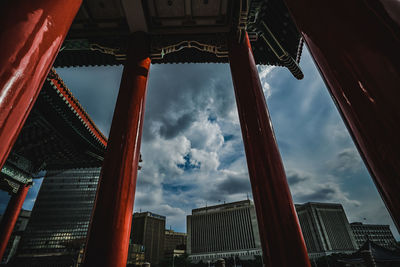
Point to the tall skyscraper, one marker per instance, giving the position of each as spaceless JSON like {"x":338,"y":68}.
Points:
{"x":325,"y":229}
{"x":148,"y":229}
{"x":378,"y":233}
{"x":223,"y":231}
{"x":19,"y":228}
{"x":60,"y":217}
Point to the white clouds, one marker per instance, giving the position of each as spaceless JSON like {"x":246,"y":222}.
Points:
{"x":191,"y":148}
{"x":193,"y":151}
{"x":347,"y":161}
{"x":161,"y":156}
{"x":205,"y":134}
{"x":264,"y":73}
{"x":307,"y":187}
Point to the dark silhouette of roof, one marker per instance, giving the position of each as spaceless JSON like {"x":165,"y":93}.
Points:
{"x":379,"y":254}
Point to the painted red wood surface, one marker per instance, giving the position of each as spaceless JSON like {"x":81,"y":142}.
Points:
{"x":110,"y":227}
{"x":281,"y":238}
{"x":356,"y":45}
{"x":10,"y":217}
{"x":30,"y":37}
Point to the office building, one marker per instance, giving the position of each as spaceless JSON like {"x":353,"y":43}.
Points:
{"x":378,"y":233}
{"x":148,"y":230}
{"x":174,"y":243}
{"x":60,"y":218}
{"x":326,"y":229}
{"x":135,"y":255}
{"x":223,"y":231}
{"x":19,"y":228}
{"x":174,"y":240}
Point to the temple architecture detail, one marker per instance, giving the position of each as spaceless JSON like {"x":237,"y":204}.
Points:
{"x":354,"y":44}
{"x":57,"y":135}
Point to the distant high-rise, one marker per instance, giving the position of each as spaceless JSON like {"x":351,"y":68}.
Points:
{"x":174,"y":240}
{"x":60,"y":217}
{"x":223,"y":231}
{"x":148,"y":229}
{"x":325,"y":229}
{"x":378,"y":233}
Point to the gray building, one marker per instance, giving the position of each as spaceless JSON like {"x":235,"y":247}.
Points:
{"x":378,"y":233}
{"x":325,"y":228}
{"x":174,"y":240}
{"x":60,"y":217}
{"x":223,"y":231}
{"x":148,"y":230}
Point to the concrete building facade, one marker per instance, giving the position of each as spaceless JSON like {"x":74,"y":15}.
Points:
{"x":174,"y":241}
{"x":223,"y":231}
{"x":148,"y":230}
{"x":378,"y":233}
{"x":325,"y":228}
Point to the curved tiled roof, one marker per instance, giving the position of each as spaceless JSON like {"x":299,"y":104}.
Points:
{"x":75,"y":106}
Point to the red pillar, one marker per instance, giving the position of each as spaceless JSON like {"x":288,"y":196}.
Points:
{"x":356,"y":47}
{"x":281,"y":238}
{"x":108,"y":240}
{"x":30,"y":37}
{"x":10,"y":217}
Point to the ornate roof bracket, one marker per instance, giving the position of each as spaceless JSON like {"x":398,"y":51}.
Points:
{"x":84,"y":44}
{"x":13,"y":186}
{"x":14,"y":176}
{"x":243,"y":17}
{"x":159,"y":53}
{"x":281,"y":53}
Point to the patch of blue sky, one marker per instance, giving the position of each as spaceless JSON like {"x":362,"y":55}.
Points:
{"x":174,"y":188}
{"x":212,"y":118}
{"x":188,"y":165}
{"x":228,"y":137}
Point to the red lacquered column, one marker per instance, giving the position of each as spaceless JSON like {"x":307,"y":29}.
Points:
{"x":356,"y":47}
{"x":30,"y":37}
{"x":10,"y":217}
{"x":108,"y":240}
{"x":281,"y":238}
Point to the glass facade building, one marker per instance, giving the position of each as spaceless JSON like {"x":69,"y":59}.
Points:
{"x":61,"y":215}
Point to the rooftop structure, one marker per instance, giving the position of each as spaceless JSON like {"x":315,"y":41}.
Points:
{"x":57,"y":135}
{"x":372,"y":254}
{"x":182,"y":32}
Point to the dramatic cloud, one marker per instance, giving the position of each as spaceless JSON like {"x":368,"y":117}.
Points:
{"x":347,"y":161}
{"x":295,"y":178}
{"x":234,"y":184}
{"x":192,"y":146}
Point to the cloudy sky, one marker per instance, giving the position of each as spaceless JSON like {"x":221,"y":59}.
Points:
{"x":192,"y":147}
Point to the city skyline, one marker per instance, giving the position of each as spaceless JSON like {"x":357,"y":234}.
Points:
{"x":191,"y":126}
